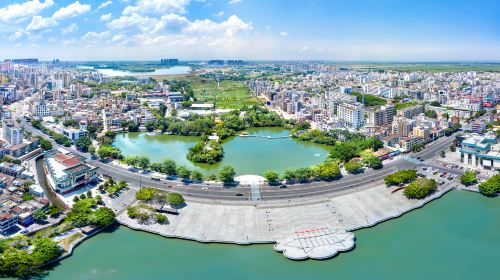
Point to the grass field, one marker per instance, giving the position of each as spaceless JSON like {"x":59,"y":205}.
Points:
{"x":228,"y":95}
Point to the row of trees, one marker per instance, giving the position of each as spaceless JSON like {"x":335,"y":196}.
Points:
{"x":58,"y":137}
{"x":327,"y":171}
{"x":155,"y":195}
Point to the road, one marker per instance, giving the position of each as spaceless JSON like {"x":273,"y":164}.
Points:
{"x":242,"y":193}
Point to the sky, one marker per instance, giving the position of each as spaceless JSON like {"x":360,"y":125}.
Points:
{"x":341,"y":30}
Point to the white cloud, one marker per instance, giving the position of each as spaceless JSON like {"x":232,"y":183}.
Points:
{"x":72,"y":10}
{"x":157,"y":6}
{"x":14,"y":36}
{"x":229,"y":27}
{"x":70,"y":29}
{"x":19,"y":12}
{"x":104,"y":5}
{"x":106,"y":17}
{"x":220,"y":14}
{"x":40,"y":23}
{"x":283,"y":33}
{"x":143,"y":23}
{"x":69,"y":42}
{"x":92,"y":38}
{"x":232,"y":2}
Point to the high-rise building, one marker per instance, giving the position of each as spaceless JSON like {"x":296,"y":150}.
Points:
{"x":351,"y":115}
{"x":12,"y":133}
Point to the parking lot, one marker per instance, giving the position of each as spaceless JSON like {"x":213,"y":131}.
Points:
{"x":441,"y":177}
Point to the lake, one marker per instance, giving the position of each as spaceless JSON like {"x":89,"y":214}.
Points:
{"x":455,"y":237}
{"x":248,"y":155}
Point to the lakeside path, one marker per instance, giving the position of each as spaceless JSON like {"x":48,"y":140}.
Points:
{"x":277,"y":222}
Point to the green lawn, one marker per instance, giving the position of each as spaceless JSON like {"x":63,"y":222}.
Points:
{"x":229,"y":94}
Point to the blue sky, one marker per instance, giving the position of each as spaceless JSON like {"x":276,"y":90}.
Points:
{"x":381,"y":30}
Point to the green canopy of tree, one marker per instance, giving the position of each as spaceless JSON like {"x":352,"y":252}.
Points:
{"x":400,"y":177}
{"x":145,"y":194}
{"x":226,"y":174}
{"x":102,"y":216}
{"x":209,"y":152}
{"x":468,"y":178}
{"x":175,"y":199}
{"x":420,"y":188}
{"x":272,"y":177}
{"x":353,"y":166}
{"x":491,"y":186}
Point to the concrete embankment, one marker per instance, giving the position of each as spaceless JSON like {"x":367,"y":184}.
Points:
{"x":278,"y":222}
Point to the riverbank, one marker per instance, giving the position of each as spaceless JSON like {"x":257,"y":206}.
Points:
{"x":276,"y":222}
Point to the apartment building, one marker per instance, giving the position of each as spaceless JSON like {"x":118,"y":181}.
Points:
{"x":351,"y":115}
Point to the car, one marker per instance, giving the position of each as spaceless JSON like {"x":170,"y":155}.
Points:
{"x":204,"y":188}
{"x":239,"y":194}
{"x":283,"y":187}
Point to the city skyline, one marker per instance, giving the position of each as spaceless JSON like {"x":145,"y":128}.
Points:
{"x":251,"y":30}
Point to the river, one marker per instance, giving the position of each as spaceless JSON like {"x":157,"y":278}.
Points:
{"x":455,"y":237}
{"x":248,"y":155}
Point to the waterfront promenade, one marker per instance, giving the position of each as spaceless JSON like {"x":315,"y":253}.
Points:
{"x":231,"y":222}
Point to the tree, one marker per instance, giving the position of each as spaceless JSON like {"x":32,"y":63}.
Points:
{"x":400,"y":177}
{"x":39,"y":215}
{"x":150,"y":125}
{"x":145,"y":194}
{"x":491,"y":186}
{"x":143,"y":162}
{"x":272,"y":177}
{"x":161,"y":219}
{"x":45,"y":250}
{"x":329,"y":170}
{"x":353,"y":166}
{"x":196,"y":175}
{"x":98,"y":200}
{"x":453,"y":148}
{"x":102,"y":217}
{"x":45,"y":144}
{"x":468,"y":178}
{"x":83,"y":143}
{"x":420,"y":188}
{"x":169,"y":167}
{"x":442,"y":154}
{"x":89,"y":193}
{"x":175,"y":199}
{"x":435,"y":104}
{"x":92,"y":150}
{"x":107,"y":151}
{"x":17,"y":262}
{"x":373,"y":162}
{"x":344,"y":151}
{"x":54,"y":210}
{"x":183,"y":172}
{"x":226,"y":174}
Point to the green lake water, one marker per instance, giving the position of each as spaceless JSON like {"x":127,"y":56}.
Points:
{"x":455,"y":237}
{"x":248,"y":155}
